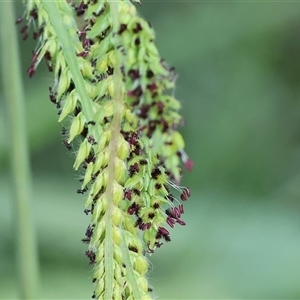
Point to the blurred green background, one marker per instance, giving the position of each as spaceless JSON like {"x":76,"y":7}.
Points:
{"x":239,"y":67}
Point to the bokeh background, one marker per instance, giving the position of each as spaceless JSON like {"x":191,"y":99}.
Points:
{"x":239,"y":67}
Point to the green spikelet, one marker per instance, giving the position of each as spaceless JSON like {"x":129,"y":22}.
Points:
{"x":111,"y":89}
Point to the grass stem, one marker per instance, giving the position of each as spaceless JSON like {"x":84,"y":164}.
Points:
{"x":27,"y":257}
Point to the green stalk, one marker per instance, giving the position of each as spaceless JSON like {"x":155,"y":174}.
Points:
{"x":115,"y":129}
{"x":27,"y":257}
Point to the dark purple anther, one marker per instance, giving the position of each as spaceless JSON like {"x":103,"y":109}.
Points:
{"x":180,"y":222}
{"x":144,"y":226}
{"x":135,"y":168}
{"x":91,"y":255}
{"x":134,"y":74}
{"x":156,"y":205}
{"x":187,"y":191}
{"x":137,"y":28}
{"x":183,"y":196}
{"x":127,"y":195}
{"x":160,"y":107}
{"x":138,"y":222}
{"x":130,"y":210}
{"x":91,"y":140}
{"x":176,"y":212}
{"x":81,"y":6}
{"x":82,"y":54}
{"x":24,"y":28}
{"x":35,"y":35}
{"x":189,"y":164}
{"x":136,"y":92}
{"x":34,"y":14}
{"x":133,"y":249}
{"x":123,"y":27}
{"x":81,"y":34}
{"x":167,"y":238}
{"x":163,"y":231}
{"x":89,"y":232}
{"x":152,"y":87}
{"x":151,"y":215}
{"x":150,"y":74}
{"x":47,"y":56}
{"x":137,"y":41}
{"x":133,"y":208}
{"x":25,"y":36}
{"x":170,"y":221}
{"x":181,"y":209}
{"x":52,"y":97}
{"x":86,"y":43}
{"x":157,"y":186}
{"x":86,"y":240}
{"x":31,"y":71}
{"x":19,"y":20}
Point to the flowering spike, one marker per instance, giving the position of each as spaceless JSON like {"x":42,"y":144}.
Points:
{"x":111,"y":87}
